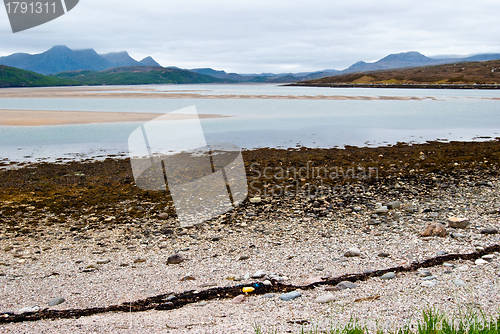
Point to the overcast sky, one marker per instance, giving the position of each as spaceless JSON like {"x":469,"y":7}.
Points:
{"x":266,"y":36}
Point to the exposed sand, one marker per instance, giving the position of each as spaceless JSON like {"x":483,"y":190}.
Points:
{"x":49,"y":117}
{"x":145,"y":93}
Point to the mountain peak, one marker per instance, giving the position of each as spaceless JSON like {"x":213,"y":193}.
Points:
{"x":149,"y":61}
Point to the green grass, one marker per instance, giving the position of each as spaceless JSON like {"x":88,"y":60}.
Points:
{"x":124,"y":77}
{"x":432,"y":322}
{"x":14,"y":77}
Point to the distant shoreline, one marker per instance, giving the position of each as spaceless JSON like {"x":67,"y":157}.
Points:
{"x":381,"y":85}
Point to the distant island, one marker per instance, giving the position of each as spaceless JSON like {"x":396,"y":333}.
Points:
{"x":485,"y":74}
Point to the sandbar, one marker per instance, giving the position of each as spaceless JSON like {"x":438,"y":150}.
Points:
{"x":9,"y":117}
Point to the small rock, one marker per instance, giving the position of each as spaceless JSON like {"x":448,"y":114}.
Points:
{"x":29,"y":309}
{"x":188,"y":277}
{"x":175,"y":259}
{"x":103,"y":261}
{"x":312,"y":280}
{"x":373,"y":222}
{"x":139,"y":260}
{"x":424,"y":273}
{"x":388,"y":276}
{"x":124,"y":264}
{"x":325,"y":299}
{"x":243,"y":257}
{"x":239,"y":299}
{"x":383,"y":254}
{"x":480,"y":261}
{"x":352,"y":252}
{"x":429,"y":278}
{"x":268,"y":295}
{"x":489,"y":230}
{"x":428,"y":284}
{"x":458,"y":222}
{"x":463,"y":268}
{"x":56,"y":301}
{"x":459,"y":282}
{"x":91,"y":267}
{"x":458,"y":235}
{"x":201,"y":304}
{"x":267,"y":282}
{"x":290,"y":296}
{"x":255,"y":200}
{"x":346,"y":285}
{"x":163,"y":216}
{"x":434,"y":230}
{"x":259,"y":274}
{"x":382,"y":209}
{"x":488,"y":257}
{"x":393,"y":205}
{"x":449,"y":265}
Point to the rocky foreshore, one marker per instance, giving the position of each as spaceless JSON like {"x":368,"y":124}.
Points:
{"x":82,"y":235}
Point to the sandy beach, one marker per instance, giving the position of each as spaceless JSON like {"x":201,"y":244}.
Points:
{"x":83,"y":232}
{"x":47,"y":117}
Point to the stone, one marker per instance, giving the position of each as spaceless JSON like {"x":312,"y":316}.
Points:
{"x":459,"y":282}
{"x":388,"y":276}
{"x":382,"y":209}
{"x":312,"y":280}
{"x":290,"y":296}
{"x":239,"y":299}
{"x":91,"y":267}
{"x":163,"y":216}
{"x":428,"y":284}
{"x":456,"y":222}
{"x":255,"y":200}
{"x":243,"y":257}
{"x":458,"y":235}
{"x":56,"y":301}
{"x":480,"y":262}
{"x":268,"y":295}
{"x":373,"y":222}
{"x":188,"y":277}
{"x":434,"y":230}
{"x":139,"y":260}
{"x":259,"y":274}
{"x":383,"y":254}
{"x":325,"y":299}
{"x":175,"y":258}
{"x":103,"y":261}
{"x":267,"y":283}
{"x":489,"y":230}
{"x":488,"y":257}
{"x":201,"y":304}
{"x":346,"y":285}
{"x":429,"y":278}
{"x":29,"y":309}
{"x":393,"y":205}
{"x":352,"y":252}
{"x":424,"y":273}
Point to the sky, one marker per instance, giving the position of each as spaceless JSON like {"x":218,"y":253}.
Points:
{"x":266,"y":36}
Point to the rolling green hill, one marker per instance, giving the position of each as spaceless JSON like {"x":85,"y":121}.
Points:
{"x":14,"y":77}
{"x":137,"y":75}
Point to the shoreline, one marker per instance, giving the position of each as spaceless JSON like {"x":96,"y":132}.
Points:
{"x":381,"y":85}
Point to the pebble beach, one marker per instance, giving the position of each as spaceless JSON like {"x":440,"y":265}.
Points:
{"x":81,"y":236}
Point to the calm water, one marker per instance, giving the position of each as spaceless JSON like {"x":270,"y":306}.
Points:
{"x":450,"y":115}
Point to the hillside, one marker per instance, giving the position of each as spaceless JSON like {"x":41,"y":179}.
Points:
{"x":137,"y":75}
{"x":14,"y":77}
{"x":484,"y":72}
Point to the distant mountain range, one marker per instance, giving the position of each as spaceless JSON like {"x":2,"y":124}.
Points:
{"x":63,"y":59}
{"x":92,"y":67}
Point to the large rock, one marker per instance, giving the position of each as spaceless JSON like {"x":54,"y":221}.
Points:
{"x":456,"y":222}
{"x":325,"y":299}
{"x":434,"y":230}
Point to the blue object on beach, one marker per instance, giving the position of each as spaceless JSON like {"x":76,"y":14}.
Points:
{"x":290,"y":296}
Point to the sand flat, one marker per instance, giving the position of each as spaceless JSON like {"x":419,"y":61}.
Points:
{"x":10,"y":117}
